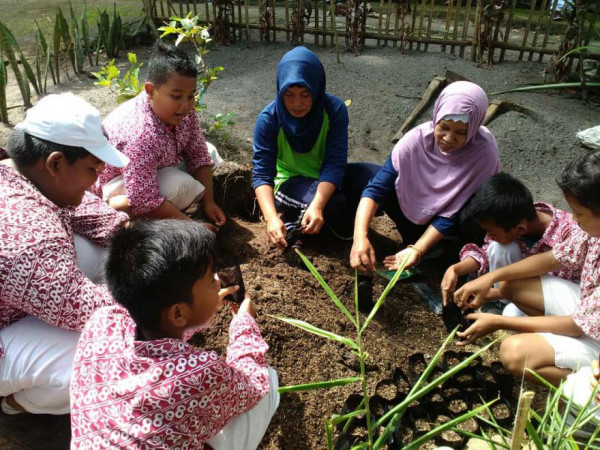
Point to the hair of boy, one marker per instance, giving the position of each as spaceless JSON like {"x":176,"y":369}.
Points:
{"x":581,"y":180}
{"x":26,"y":150}
{"x":167,"y":58}
{"x":504,"y":201}
{"x":154,"y":264}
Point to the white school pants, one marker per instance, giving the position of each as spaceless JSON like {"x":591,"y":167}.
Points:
{"x":37,"y":360}
{"x":245,"y":431}
{"x":175,"y":184}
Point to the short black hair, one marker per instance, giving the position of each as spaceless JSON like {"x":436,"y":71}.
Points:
{"x":167,"y":58}
{"x":26,"y":150}
{"x":504,"y":201}
{"x":154,"y":264}
{"x":581,"y":180}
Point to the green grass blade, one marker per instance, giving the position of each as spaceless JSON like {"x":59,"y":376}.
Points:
{"x":325,"y":286}
{"x":29,"y":72}
{"x":534,"y":436}
{"x":317,"y":385}
{"x":542,"y":87}
{"x":329,"y":434}
{"x":336,"y":419}
{"x":318,"y":331}
{"x":384,"y":294}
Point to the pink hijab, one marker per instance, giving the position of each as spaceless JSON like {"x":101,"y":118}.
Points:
{"x":433,"y":183}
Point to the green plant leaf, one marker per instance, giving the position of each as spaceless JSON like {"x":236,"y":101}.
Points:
{"x":339,"y":419}
{"x":326,"y":287}
{"x":318,"y":331}
{"x":317,"y":385}
{"x":9,"y":46}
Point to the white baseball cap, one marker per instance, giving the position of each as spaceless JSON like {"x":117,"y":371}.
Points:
{"x":69,"y":120}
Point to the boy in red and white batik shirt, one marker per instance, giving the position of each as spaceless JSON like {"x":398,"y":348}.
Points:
{"x":136,"y":383}
{"x":56,"y":154}
{"x":562,"y":333}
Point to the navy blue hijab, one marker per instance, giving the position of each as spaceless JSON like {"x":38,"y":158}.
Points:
{"x":301,"y":67}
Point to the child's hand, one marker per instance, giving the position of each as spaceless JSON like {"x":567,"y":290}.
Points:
{"x":313,"y":220}
{"x":448,"y":285}
{"x":362,"y":255}
{"x":477,"y":288}
{"x":248,"y":307}
{"x":595,"y":378}
{"x":214,"y":213}
{"x":224,"y":292}
{"x":393,"y":262}
{"x":484,"y":325}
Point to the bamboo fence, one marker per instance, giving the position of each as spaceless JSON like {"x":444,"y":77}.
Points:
{"x":482,"y":30}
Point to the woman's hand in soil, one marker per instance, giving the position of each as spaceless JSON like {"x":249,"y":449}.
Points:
{"x":313,"y":220}
{"x":484,"y":325}
{"x":249,"y":307}
{"x":393,"y":262}
{"x":214,"y":213}
{"x":276,"y":231}
{"x":473,"y":294}
{"x":362,"y":255}
{"x":448,"y":285}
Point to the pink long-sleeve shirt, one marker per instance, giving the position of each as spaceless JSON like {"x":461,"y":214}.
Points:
{"x":38,"y":266}
{"x":150,"y":144}
{"x":163,"y":393}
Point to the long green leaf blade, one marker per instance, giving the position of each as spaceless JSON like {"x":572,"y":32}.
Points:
{"x":9,"y":45}
{"x":325,"y":286}
{"x":318,"y":331}
{"x":317,"y":385}
{"x":384,"y":294}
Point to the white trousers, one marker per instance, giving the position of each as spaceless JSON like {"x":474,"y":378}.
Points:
{"x":501,"y":255}
{"x":175,"y":184}
{"x":245,"y":431}
{"x":578,"y":387}
{"x":36,"y":366}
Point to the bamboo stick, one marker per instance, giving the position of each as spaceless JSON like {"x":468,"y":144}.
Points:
{"x":247,"y":13}
{"x":317,"y":21}
{"x":387,"y":20}
{"x":233,"y":29}
{"x":466,"y":27}
{"x":300,"y":18}
{"x":206,"y":11}
{"x":592,"y":24}
{"x":429,"y":22}
{"x":537,"y":28}
{"x":448,"y":15}
{"x":547,"y":32}
{"x":456,"y":17}
{"x":162,"y":11}
{"x":421,"y":18}
{"x":214,"y":12}
{"x":379,"y":21}
{"x":287,"y":21}
{"x":494,"y":42}
{"x":526,"y":34}
{"x":521,"y":420}
{"x":239,"y":2}
{"x":194,"y":8}
{"x":396,"y":22}
{"x":413,"y":21}
{"x":180,"y":8}
{"x":476,"y":35}
{"x":274,"y":21}
{"x":508,"y":28}
{"x":325,"y":22}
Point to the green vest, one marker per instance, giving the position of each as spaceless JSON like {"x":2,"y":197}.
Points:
{"x":292,"y":164}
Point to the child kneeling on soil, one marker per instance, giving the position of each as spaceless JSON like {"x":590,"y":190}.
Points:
{"x":171,"y":163}
{"x":563,"y":333}
{"x":516,"y":228}
{"x":136,"y":383}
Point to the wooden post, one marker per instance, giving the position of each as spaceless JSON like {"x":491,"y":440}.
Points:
{"x":287,"y":21}
{"x":547,"y":32}
{"x":526,"y":34}
{"x":456,"y":17}
{"x":325,"y":22}
{"x":537,"y":28}
{"x":476,"y":35}
{"x":162,"y":11}
{"x":430,"y":19}
{"x":588,"y":35}
{"x":274,"y":21}
{"x":387,"y":20}
{"x":317,"y":22}
{"x":511,"y":14}
{"x":247,"y":14}
{"x":466,"y":27}
{"x":396,"y":22}
{"x":380,"y":21}
{"x":494,"y":42}
{"x":214,"y":11}
{"x":521,"y":420}
{"x":421,"y":18}
{"x":194,"y":8}
{"x":233,"y":30}
{"x":448,"y":15}
{"x":206,"y":10}
{"x":180,"y":8}
{"x":413,"y":20}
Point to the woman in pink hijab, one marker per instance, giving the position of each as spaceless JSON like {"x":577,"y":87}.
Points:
{"x":429,"y":177}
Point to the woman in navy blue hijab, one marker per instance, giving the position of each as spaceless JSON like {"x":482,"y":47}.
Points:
{"x":300,"y":174}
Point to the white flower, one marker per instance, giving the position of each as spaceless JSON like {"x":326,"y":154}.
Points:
{"x":204,"y":34}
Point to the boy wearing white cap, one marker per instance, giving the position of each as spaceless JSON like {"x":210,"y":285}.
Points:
{"x":45,"y":299}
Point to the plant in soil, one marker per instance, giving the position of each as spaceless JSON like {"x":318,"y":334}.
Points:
{"x":379,"y":425}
